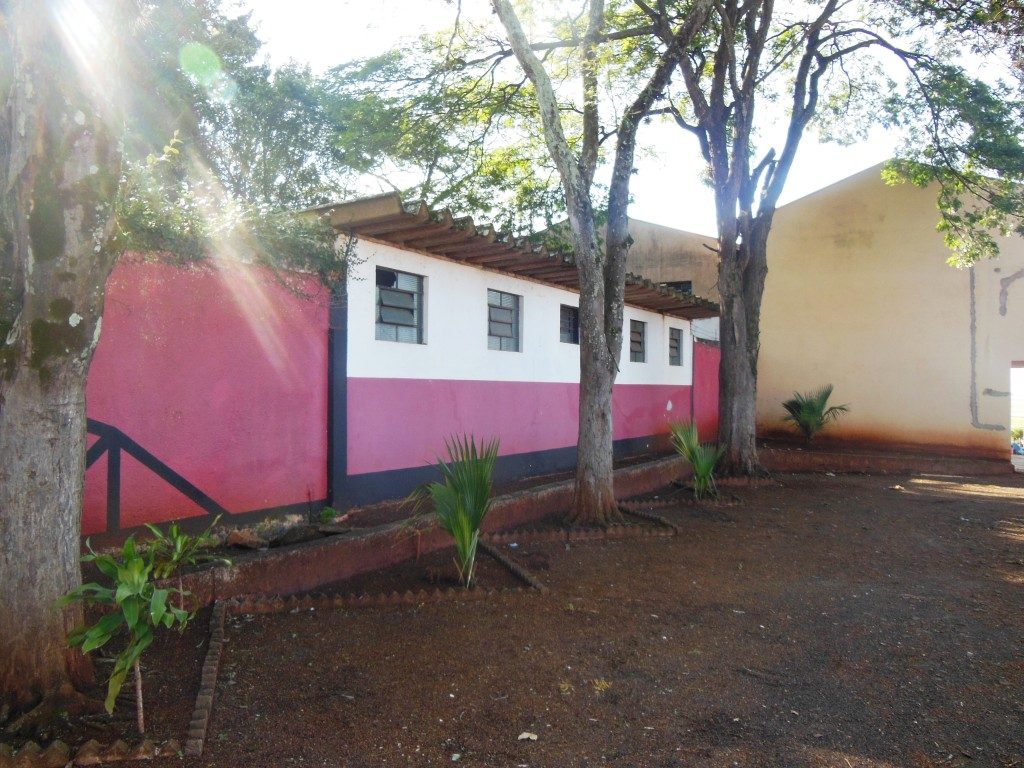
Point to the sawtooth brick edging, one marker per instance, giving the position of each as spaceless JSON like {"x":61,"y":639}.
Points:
{"x":517,"y":569}
{"x":58,"y":754}
{"x":208,"y":685}
{"x":270,"y":604}
{"x":646,"y":514}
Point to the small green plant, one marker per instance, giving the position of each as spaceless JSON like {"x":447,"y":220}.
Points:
{"x":702,"y":457}
{"x":1017,"y":433}
{"x":810,"y":411}
{"x":463,"y":497}
{"x":327,"y":515}
{"x":138,"y":608}
{"x":173,"y":549}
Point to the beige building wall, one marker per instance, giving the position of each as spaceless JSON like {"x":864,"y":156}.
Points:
{"x":859,"y":295}
{"x":663,"y":254}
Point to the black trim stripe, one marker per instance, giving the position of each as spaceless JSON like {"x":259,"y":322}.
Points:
{"x":374,"y":487}
{"x":337,"y":397}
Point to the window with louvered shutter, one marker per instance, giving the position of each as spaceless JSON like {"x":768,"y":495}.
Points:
{"x":399,"y":306}
{"x":675,"y":346}
{"x":502,"y":321}
{"x":637,"y":341}
{"x":569,"y":325}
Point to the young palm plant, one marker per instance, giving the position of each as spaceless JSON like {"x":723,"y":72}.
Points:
{"x":810,"y":411}
{"x":463,"y":497}
{"x":702,"y":457}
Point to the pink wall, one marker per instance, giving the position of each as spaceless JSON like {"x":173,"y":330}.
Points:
{"x":220,"y":370}
{"x":706,"y":358}
{"x":402,"y":423}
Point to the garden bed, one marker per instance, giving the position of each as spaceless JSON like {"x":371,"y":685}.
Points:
{"x":433,"y":571}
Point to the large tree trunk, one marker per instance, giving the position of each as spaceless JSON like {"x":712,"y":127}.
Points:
{"x":741,"y":276}
{"x":57,"y":227}
{"x":594,"y":497}
{"x":42,"y":440}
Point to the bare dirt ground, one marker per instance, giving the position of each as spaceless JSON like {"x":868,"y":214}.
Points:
{"x":824,"y":621}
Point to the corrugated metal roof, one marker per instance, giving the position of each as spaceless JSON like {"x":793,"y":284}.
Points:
{"x":417,"y":227}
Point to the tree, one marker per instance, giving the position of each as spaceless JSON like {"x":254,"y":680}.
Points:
{"x":465,"y":127}
{"x":813,"y":59}
{"x":61,"y":167}
{"x":83,"y":92}
{"x":752,"y":82}
{"x":602,"y":272}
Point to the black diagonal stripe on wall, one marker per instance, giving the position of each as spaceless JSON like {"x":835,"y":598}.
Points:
{"x":113,"y":441}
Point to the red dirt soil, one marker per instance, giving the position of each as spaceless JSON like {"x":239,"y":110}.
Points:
{"x":851,"y":621}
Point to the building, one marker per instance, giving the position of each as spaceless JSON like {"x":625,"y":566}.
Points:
{"x":859,"y":295}
{"x":225,"y":388}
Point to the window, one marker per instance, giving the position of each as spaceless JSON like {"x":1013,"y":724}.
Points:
{"x":502,"y":321}
{"x":569,"y":326}
{"x":686,"y":286}
{"x":637,"y":341}
{"x":399,"y":306}
{"x":675,"y":346}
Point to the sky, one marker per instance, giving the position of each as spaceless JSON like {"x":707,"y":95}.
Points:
{"x":666,"y":189}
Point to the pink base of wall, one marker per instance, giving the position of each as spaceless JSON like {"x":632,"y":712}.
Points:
{"x":401,"y":423}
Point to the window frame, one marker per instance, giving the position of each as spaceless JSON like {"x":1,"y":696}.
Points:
{"x":638,"y":355}
{"x":516,"y":323}
{"x":680,"y":355}
{"x":574,"y":330}
{"x":418,"y":306}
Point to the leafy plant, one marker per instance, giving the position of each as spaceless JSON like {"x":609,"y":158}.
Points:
{"x":461,"y":501}
{"x":1017,"y":433}
{"x":702,"y":457}
{"x":138,"y":607}
{"x":810,"y":412}
{"x":327,"y":515}
{"x":173,"y":549}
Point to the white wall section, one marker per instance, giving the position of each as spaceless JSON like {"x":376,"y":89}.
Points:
{"x":455,"y":328}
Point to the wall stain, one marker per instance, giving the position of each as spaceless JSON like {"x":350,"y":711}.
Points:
{"x":975,"y":421}
{"x":1004,"y":289}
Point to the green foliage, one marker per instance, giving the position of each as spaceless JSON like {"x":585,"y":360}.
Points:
{"x":810,"y":412}
{"x":160,"y":208}
{"x":173,"y":549}
{"x":702,"y":457}
{"x":463,"y":497}
{"x":138,"y":608}
{"x":1017,"y":433}
{"x":963,"y":137}
{"x":327,"y":515}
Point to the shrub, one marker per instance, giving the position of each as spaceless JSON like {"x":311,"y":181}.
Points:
{"x":138,"y":606}
{"x":1017,"y":433}
{"x":463,"y":497}
{"x":173,"y":549}
{"x":702,"y":457}
{"x":810,"y":412}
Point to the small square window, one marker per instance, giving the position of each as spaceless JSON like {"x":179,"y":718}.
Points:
{"x":686,"y":286}
{"x":399,"y":306}
{"x":502,"y":321}
{"x":675,"y":346}
{"x":637,"y":341}
{"x":569,"y":325}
